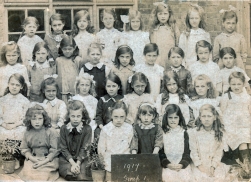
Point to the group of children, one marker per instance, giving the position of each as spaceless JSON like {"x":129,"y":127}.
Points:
{"x":157,"y":92}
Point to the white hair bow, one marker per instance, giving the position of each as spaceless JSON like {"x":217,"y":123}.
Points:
{"x":160,"y":3}
{"x":50,"y":76}
{"x":86,"y":76}
{"x":124,"y":18}
{"x":230,"y":8}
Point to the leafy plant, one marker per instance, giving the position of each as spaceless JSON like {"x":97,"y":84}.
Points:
{"x":8,"y":148}
{"x":95,"y":160}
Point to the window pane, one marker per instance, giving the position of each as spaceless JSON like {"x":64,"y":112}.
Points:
{"x":119,"y":23}
{"x":41,"y":35}
{"x":15,"y":19}
{"x":14,"y":37}
{"x":39,"y":14}
{"x":67,"y":16}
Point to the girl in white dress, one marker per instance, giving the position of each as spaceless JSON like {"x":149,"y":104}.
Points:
{"x":206,"y":144}
{"x":195,"y":31}
{"x":228,"y":58}
{"x":29,"y":40}
{"x":175,"y":156}
{"x":172,"y":93}
{"x":134,"y":36}
{"x":83,"y":32}
{"x":236,"y":108}
{"x":85,"y":92}
{"x":115,"y":137}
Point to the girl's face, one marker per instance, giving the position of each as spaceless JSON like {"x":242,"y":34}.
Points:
{"x":95,"y":56}
{"x":172,"y":86}
{"x":82,"y":23}
{"x":175,"y":59}
{"x":84,"y":87}
{"x":75,"y":117}
{"x":229,"y":25}
{"x":194,"y":19}
{"x":146,"y":118}
{"x":111,"y":88}
{"x":57,"y":26}
{"x":118,"y":117}
{"x":139,"y":87}
{"x":163,"y":16}
{"x":151,"y":58}
{"x":201,"y":88}
{"x":30,"y":29}
{"x":173,"y":120}
{"x":228,"y":61}
{"x":37,"y":121}
{"x":12,"y":57}
{"x":108,"y":20}
{"x":125,"y":59}
{"x":41,"y":55}
{"x":135,"y":24}
{"x":14,"y":86}
{"x":207,"y":119}
{"x":236,"y":85}
{"x":50,"y":92}
{"x":203,"y":54}
{"x":68,"y":51}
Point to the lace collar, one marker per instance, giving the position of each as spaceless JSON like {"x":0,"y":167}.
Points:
{"x":89,"y":66}
{"x":78,"y":128}
{"x":146,"y":127}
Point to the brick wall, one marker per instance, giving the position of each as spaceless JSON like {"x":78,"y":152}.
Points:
{"x":1,"y":21}
{"x":212,"y":16}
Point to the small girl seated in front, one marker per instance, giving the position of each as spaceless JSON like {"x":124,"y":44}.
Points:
{"x":13,"y":106}
{"x":148,"y":135}
{"x":55,"y":107}
{"x":96,"y":68}
{"x":175,"y":156}
{"x":204,"y":65}
{"x":39,"y":146}
{"x":114,"y":91}
{"x":75,"y":135}
{"x":228,"y":58}
{"x":38,"y":68}
{"x":204,"y":93}
{"x":138,"y":91}
{"x":115,"y":137}
{"x":172,"y":93}
{"x":206,"y":144}
{"x":85,"y":92}
{"x":176,"y":56}
{"x":153,"y":71}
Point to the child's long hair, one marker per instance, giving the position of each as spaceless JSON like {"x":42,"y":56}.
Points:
{"x":111,"y":12}
{"x":88,"y":77}
{"x":10,"y":46}
{"x":168,"y":75}
{"x":134,"y":14}
{"x":30,"y":114}
{"x":49,"y":81}
{"x":171,"y":109}
{"x":21,"y":80}
{"x":145,"y":108}
{"x":176,"y":50}
{"x":238,"y":75}
{"x":204,"y":44}
{"x":56,"y":16}
{"x":68,"y":41}
{"x":76,"y":105}
{"x":37,"y":48}
{"x":141,"y":78}
{"x":77,"y":17}
{"x":114,"y":78}
{"x":227,"y":50}
{"x":200,"y":10}
{"x":154,"y":18}
{"x":28,"y":20}
{"x":118,"y":105}
{"x":151,"y":47}
{"x":211,"y":92}
{"x":218,"y":127}
{"x":123,"y":49}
